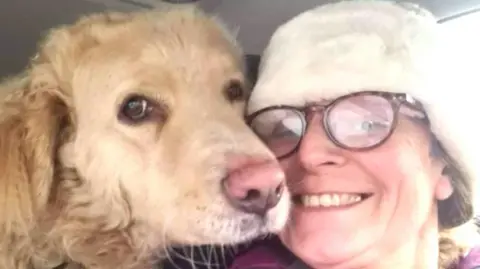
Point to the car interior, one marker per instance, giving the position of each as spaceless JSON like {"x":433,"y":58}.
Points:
{"x":24,"y":22}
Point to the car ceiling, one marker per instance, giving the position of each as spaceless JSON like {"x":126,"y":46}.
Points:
{"x":24,"y":22}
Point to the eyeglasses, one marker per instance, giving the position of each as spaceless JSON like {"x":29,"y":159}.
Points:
{"x":359,"y":121}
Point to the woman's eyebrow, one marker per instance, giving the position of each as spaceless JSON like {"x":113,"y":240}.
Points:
{"x":412,"y":112}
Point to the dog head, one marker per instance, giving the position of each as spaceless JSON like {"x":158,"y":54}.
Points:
{"x":147,"y":109}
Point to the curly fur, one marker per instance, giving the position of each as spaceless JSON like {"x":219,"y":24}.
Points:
{"x":79,"y":186}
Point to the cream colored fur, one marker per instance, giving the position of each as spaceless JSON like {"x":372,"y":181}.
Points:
{"x":79,"y":186}
{"x":351,"y":46}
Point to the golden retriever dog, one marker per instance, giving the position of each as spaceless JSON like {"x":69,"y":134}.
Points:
{"x":124,"y":137}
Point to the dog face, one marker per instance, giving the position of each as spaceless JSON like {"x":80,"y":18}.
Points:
{"x":156,"y":103}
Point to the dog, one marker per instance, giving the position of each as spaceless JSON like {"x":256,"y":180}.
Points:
{"x":124,"y":137}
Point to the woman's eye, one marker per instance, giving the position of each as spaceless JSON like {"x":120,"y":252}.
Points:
{"x":372,"y":125}
{"x":283,"y":130}
{"x":135,"y":109}
{"x":280,"y":131}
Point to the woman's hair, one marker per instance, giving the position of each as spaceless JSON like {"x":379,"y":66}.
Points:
{"x":458,"y":229}
{"x":455,"y":214}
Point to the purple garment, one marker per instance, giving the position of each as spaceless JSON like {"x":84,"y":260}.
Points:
{"x":265,"y":254}
{"x":259,"y":257}
{"x":272,"y":255}
{"x":471,"y":261}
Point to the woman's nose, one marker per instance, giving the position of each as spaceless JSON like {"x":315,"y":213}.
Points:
{"x":316,"y":148}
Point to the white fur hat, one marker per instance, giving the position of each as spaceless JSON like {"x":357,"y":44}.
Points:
{"x":351,"y":46}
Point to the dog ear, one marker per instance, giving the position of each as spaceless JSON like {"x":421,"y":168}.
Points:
{"x":34,"y":118}
{"x":30,"y":126}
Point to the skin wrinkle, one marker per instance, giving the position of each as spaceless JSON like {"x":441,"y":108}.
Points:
{"x":410,"y":143}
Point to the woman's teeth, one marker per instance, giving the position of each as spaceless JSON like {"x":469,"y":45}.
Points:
{"x":330,"y":200}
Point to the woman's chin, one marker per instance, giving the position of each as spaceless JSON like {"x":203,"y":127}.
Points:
{"x":312,"y":252}
{"x":332,"y":235}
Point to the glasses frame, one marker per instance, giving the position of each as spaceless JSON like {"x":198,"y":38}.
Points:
{"x":396,"y":100}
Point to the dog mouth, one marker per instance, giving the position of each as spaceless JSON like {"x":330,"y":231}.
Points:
{"x":249,"y":226}
{"x":330,"y":200}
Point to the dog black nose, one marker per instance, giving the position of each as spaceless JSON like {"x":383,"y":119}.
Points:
{"x":253,"y":186}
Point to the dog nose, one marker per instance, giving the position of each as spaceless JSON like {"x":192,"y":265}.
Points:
{"x":253,"y":185}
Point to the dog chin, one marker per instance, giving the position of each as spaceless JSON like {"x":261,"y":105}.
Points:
{"x":238,"y":227}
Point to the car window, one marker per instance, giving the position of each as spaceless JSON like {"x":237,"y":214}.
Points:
{"x":463,"y":40}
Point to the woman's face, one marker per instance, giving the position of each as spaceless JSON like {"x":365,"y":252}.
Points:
{"x":357,"y":206}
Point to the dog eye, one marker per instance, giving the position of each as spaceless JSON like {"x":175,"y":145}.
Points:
{"x":137,"y":109}
{"x":234,"y":91}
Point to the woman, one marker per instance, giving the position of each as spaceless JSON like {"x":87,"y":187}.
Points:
{"x":351,"y":99}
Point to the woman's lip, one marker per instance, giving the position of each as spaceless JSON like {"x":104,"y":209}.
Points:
{"x":362,"y":193}
{"x":330,"y":199}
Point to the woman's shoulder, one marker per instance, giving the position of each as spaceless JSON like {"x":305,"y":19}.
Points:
{"x":272,"y":254}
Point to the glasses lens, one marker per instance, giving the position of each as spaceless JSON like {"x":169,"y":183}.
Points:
{"x":280,"y":129}
{"x":360,"y":121}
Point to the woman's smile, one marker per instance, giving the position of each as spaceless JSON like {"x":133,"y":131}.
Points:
{"x":336,"y":200}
